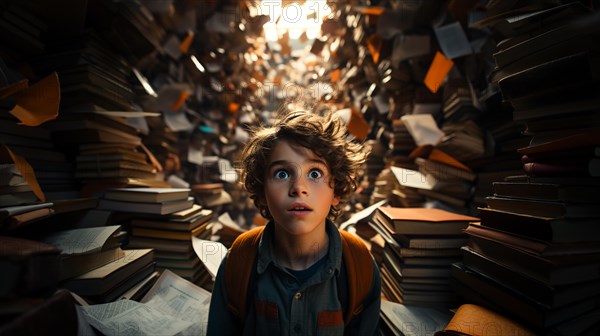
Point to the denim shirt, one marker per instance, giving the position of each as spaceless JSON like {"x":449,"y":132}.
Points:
{"x":283,"y":306}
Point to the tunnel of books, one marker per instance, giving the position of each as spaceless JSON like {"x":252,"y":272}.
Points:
{"x":122,"y":123}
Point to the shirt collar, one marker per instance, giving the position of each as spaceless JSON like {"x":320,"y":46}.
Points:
{"x":266,"y":250}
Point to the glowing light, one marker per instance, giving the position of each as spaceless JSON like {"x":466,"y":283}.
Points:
{"x":294,"y":18}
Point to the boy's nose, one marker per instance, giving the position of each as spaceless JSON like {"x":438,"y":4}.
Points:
{"x":298,"y":186}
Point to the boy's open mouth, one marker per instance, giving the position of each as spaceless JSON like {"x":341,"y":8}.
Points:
{"x":299,"y":207}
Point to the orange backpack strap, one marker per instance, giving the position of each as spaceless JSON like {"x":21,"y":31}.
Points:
{"x":238,"y":270}
{"x":359,"y":272}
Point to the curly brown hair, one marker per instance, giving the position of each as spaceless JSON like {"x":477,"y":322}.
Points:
{"x":325,"y":135}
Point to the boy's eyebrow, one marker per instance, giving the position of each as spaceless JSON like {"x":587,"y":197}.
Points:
{"x":284,"y":162}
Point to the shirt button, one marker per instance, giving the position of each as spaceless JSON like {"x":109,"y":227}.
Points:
{"x":297,"y":328}
{"x":330,"y":270}
{"x":298,"y":296}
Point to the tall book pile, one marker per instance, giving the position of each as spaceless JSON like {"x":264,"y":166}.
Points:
{"x":24,"y":106}
{"x":535,"y":256}
{"x":92,"y":128}
{"x":165,"y":220}
{"x":420,"y":246}
{"x":171,"y":238}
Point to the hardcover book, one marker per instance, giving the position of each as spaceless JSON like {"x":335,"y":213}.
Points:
{"x":147,"y":194}
{"x":146,"y":207}
{"x":423,"y":220}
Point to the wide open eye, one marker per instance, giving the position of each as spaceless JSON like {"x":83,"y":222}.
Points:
{"x":281,"y":174}
{"x":315,"y":174}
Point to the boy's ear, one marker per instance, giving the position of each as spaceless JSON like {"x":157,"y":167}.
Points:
{"x":335,"y":201}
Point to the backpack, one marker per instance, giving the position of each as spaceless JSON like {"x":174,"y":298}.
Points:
{"x":241,"y":264}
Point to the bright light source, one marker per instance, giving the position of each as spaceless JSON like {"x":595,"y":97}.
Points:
{"x":197,"y":63}
{"x":294,"y":18}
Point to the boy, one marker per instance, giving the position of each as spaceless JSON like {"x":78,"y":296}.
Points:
{"x":297,"y":172}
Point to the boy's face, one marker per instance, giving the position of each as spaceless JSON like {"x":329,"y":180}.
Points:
{"x":297,"y":189}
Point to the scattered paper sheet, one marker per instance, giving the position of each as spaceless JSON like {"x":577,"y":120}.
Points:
{"x":24,"y":168}
{"x":228,"y":173}
{"x":81,"y":241}
{"x":413,"y":178}
{"x":437,"y":72}
{"x":361,"y":214}
{"x":38,"y":103}
{"x":171,"y":47}
{"x":174,"y":296}
{"x":195,"y":156}
{"x":177,"y":121}
{"x":453,"y":40}
{"x":127,"y":317}
{"x":414,"y":320}
{"x":409,"y":46}
{"x":211,"y":253}
{"x":423,"y":129}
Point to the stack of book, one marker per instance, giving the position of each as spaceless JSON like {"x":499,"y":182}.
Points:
{"x":93,"y":77}
{"x":95,"y":102}
{"x":109,"y":282}
{"x":373,"y":166}
{"x":453,"y":186}
{"x":132,"y":28}
{"x":537,"y":247}
{"x":34,"y":144}
{"x":171,"y":238}
{"x":162,"y":142}
{"x":388,"y":186}
{"x":401,"y":142}
{"x":541,"y":271}
{"x":535,"y":255}
{"x":420,"y":246}
{"x":458,"y":101}
{"x":211,"y":195}
{"x":14,"y":189}
{"x":464,"y":141}
{"x":13,"y":217}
